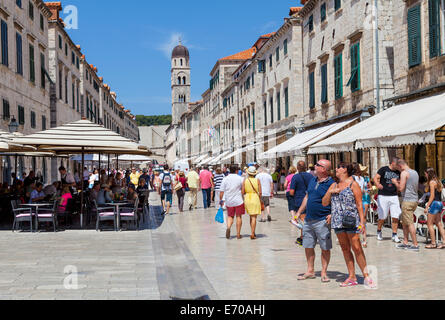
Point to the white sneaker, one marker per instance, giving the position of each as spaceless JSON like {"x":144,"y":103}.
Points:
{"x":396,"y":239}
{"x":379,"y":236}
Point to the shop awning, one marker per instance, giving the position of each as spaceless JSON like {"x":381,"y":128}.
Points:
{"x":301,"y":141}
{"x":411,"y":123}
{"x":199,"y":159}
{"x":216,"y":160}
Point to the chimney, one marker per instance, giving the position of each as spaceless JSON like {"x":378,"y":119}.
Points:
{"x":54,"y":7}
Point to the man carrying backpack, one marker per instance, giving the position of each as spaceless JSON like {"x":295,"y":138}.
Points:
{"x":167,"y":181}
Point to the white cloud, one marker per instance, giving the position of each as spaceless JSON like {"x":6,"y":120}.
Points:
{"x":168,"y":46}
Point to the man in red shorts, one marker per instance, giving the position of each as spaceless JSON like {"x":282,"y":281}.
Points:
{"x":233,"y":198}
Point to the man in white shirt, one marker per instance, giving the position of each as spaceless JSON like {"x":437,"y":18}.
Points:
{"x":267,"y":188}
{"x":231,"y":192}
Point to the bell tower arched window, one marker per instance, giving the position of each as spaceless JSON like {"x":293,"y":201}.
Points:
{"x":183,"y":80}
{"x":179,"y":80}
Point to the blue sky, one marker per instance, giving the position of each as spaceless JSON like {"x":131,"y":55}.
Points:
{"x":131,"y":42}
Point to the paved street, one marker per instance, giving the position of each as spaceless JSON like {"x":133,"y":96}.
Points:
{"x":187,"y":256}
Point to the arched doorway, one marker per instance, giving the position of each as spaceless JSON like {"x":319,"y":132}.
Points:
{"x":420,"y":160}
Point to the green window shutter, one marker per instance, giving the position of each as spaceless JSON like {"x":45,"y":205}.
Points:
{"x":354,"y":81}
{"x":338,"y":76}
{"x":4,"y":36}
{"x":337,"y":4}
{"x":253,"y":79}
{"x":286,"y":102}
{"x":18,"y":39}
{"x":323,"y":12}
{"x":312,"y":90}
{"x":311,"y":23}
{"x":285,"y":46}
{"x":324,"y":83}
{"x":271,"y":109}
{"x":6,"y":113}
{"x":265,"y":113}
{"x":21,"y":112}
{"x":277,"y":51}
{"x":434,"y":24}
{"x":414,"y":36}
{"x":279,"y":106}
{"x":32,"y":68}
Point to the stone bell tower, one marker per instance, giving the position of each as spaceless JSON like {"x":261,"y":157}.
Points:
{"x":180,"y":80}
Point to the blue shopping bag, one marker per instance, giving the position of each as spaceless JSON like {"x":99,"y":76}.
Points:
{"x":220,"y":216}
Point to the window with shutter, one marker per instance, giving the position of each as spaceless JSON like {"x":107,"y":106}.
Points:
{"x":414,"y":36}
{"x":18,"y":39}
{"x":354,"y":81}
{"x":271,"y":109}
{"x":324,"y":83}
{"x":265,"y":113}
{"x":337,"y":4}
{"x":323,"y":12}
{"x":286,"y":102}
{"x":312,"y":90}
{"x":4,"y":36}
{"x":311,"y":23}
{"x":285,"y":47}
{"x":33,"y":119}
{"x":6,"y":113}
{"x":21,"y":112}
{"x":43,"y":123}
{"x":32,"y":68}
{"x":277,"y":53}
{"x":278,"y":106}
{"x":42,"y":70}
{"x":338,"y":70}
{"x":434,"y":25}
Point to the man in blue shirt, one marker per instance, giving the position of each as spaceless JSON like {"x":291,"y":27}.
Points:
{"x":298,"y":190}
{"x":318,"y":221}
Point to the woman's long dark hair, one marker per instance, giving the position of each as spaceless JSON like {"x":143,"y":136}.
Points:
{"x":432,"y":176}
{"x":349,"y":167}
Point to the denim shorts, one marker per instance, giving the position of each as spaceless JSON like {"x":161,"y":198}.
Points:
{"x":436,"y":207}
{"x":317,"y":231}
{"x":346,"y":230}
{"x":168,"y":195}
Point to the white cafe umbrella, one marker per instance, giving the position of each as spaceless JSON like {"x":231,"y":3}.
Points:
{"x":81,"y":136}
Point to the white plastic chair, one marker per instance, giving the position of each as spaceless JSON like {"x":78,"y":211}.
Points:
{"x":371,"y":212}
{"x":418,"y":213}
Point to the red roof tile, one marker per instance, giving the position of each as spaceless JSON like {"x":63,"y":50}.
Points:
{"x":243,"y":55}
{"x":294,"y":10}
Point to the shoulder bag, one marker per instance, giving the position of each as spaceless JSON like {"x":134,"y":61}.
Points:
{"x":349,"y":221}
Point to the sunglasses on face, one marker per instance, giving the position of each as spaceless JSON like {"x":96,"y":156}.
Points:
{"x":321,"y":166}
{"x":341,"y":166}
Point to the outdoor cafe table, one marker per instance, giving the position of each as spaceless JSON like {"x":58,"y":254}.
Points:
{"x":118,"y":206}
{"x":35,"y":207}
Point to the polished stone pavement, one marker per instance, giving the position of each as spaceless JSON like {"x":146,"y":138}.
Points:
{"x":186,"y":256}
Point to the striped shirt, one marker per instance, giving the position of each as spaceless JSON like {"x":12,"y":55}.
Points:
{"x":218,"y":179}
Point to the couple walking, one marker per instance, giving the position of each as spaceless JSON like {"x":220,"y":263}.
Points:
{"x":338,"y":206}
{"x":241,"y":196}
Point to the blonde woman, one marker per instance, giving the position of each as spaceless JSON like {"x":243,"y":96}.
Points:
{"x":251,"y":191}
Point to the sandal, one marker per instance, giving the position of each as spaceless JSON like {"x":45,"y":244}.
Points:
{"x":325,"y":279}
{"x":303,"y":277}
{"x":349,"y":283}
{"x":441,"y":246}
{"x":431,"y":246}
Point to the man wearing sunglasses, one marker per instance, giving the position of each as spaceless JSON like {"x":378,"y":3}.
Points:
{"x":317,"y":225}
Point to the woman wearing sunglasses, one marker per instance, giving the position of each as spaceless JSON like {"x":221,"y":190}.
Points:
{"x":348,"y":221}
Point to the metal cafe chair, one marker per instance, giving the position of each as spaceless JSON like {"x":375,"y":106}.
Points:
{"x":47,"y":215}
{"x":21,"y":215}
{"x":127,"y":215}
{"x":105,"y":214}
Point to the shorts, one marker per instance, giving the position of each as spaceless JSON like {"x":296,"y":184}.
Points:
{"x":266,"y":201}
{"x":436,"y":207}
{"x":168,"y":195}
{"x":389,"y":204}
{"x":291,"y":203}
{"x":314,"y":231}
{"x":236,"y":211}
{"x":346,"y":230}
{"x":408,"y":209}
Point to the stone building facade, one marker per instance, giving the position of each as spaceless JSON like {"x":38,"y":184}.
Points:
{"x":24,"y":82}
{"x":419,"y":33}
{"x":44,"y":80}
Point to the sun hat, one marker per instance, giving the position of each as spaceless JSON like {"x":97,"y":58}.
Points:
{"x":252,"y":171}
{"x":363,"y":168}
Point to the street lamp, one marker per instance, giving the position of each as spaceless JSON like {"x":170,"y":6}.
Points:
{"x":13,"y":125}
{"x":365,"y":115}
